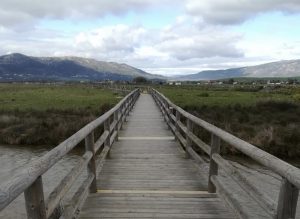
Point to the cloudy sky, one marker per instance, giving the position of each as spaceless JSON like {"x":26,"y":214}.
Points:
{"x":160,"y":36}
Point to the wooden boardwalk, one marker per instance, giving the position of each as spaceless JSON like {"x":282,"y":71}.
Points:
{"x":147,"y":175}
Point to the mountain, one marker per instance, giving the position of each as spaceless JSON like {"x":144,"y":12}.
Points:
{"x":19,"y":67}
{"x":290,"y":68}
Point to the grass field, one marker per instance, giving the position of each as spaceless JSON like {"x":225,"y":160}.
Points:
{"x":48,"y":114}
{"x":194,"y":96}
{"x":266,"y":117}
{"x":43,"y":97}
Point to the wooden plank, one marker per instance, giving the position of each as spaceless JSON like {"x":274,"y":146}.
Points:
{"x":34,"y":199}
{"x":149,"y":175}
{"x":230,"y":198}
{"x":265,"y":202}
{"x":287,"y":200}
{"x":101,"y":140}
{"x":58,"y":193}
{"x":202,"y":145}
{"x":89,"y":147}
{"x":213,"y":166}
{"x":75,"y":203}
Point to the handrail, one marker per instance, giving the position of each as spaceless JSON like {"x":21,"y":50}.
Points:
{"x":29,"y":179}
{"x":289,"y":191}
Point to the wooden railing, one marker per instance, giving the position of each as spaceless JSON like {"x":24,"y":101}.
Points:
{"x":290,"y":184}
{"x":29,"y":180}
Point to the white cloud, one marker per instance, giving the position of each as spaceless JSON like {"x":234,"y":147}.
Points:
{"x":237,"y":11}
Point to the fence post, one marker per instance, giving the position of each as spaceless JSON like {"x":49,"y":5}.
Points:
{"x":34,"y":199}
{"x":287,"y":200}
{"x":89,"y":146}
{"x":213,"y":166}
{"x":176,"y":124}
{"x":116,"y":118}
{"x":188,"y":139}
{"x":121,"y":114}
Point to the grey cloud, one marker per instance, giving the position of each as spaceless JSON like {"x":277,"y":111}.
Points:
{"x":15,"y":12}
{"x":234,"y":12}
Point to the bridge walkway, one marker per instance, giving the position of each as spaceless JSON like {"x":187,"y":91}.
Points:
{"x":147,"y":175}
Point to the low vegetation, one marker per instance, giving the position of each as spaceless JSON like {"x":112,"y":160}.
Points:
{"x":268,"y":117}
{"x":48,"y":114}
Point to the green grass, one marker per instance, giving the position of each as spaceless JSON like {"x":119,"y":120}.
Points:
{"x":197,"y":96}
{"x":266,"y":117}
{"x":42,"y":97}
{"x":48,"y":114}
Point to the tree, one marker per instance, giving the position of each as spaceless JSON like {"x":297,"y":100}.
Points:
{"x":140,"y":80}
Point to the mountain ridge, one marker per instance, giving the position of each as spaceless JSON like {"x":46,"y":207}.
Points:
{"x":19,"y":67}
{"x":284,"y":68}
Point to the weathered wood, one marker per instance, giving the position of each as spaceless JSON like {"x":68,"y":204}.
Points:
{"x":148,"y":176}
{"x":58,"y":193}
{"x":173,"y":118}
{"x":262,"y":199}
{"x":230,"y":198}
{"x":34,"y":199}
{"x":188,"y":131}
{"x":180,"y":139}
{"x":287,"y":200}
{"x":281,"y":167}
{"x":213,"y":166}
{"x":89,"y":146}
{"x":102,"y":157}
{"x":72,"y":209}
{"x":113,"y":137}
{"x":202,"y":145}
{"x":113,"y":125}
{"x":181,"y":127}
{"x":107,"y":128}
{"x":101,"y":140}
{"x":116,"y":119}
{"x":195,"y":156}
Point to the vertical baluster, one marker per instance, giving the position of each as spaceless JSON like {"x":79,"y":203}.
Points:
{"x":213,"y":166}
{"x":287,"y":200}
{"x":89,"y":146}
{"x":116,"y":118}
{"x":188,"y":139}
{"x":176,"y":125}
{"x":34,"y":198}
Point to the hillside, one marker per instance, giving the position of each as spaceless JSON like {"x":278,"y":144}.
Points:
{"x":289,"y":68}
{"x":19,"y":67}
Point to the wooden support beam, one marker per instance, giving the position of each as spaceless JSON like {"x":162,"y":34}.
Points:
{"x":116,"y":118}
{"x":287,"y":200}
{"x":34,"y":198}
{"x":90,"y":146}
{"x":213,"y":166}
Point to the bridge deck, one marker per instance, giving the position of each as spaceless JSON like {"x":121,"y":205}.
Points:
{"x":148,"y":176}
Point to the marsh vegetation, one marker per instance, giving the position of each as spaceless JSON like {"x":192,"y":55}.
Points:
{"x":268,"y":117}
{"x":48,"y":114}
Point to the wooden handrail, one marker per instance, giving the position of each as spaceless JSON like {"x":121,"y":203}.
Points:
{"x":29,"y":179}
{"x":290,"y":174}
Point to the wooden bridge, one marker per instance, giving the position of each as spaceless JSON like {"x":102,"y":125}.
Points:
{"x":142,"y":162}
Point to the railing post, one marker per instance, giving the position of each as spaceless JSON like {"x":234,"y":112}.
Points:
{"x":107,"y":128}
{"x":188,"y":139}
{"x":287,"y":200}
{"x":34,"y":198}
{"x":116,"y":118}
{"x":176,"y":124}
{"x":213,"y":166}
{"x":126,"y":110}
{"x":89,"y":146}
